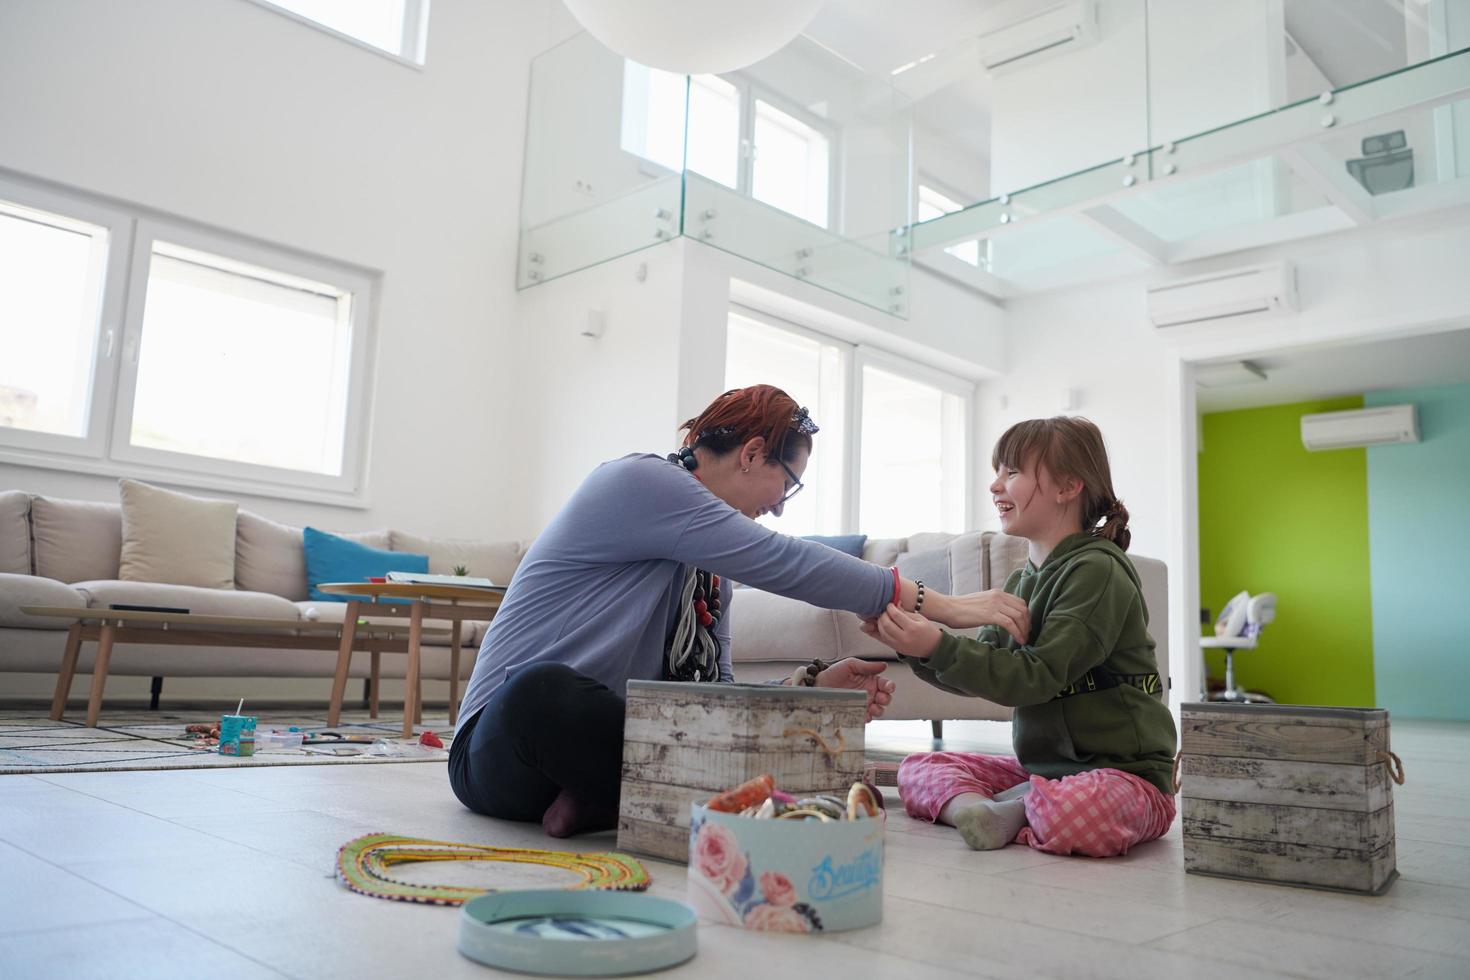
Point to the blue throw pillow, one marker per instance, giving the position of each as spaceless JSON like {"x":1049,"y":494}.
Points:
{"x":848,"y":544}
{"x":333,"y":559}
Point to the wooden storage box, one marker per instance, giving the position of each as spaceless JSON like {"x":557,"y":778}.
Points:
{"x":685,"y":742}
{"x":1288,"y":794}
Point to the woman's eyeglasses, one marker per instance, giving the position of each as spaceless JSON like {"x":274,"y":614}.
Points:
{"x":796,"y":483}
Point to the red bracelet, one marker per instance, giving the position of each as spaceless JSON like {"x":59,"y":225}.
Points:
{"x":897,"y":591}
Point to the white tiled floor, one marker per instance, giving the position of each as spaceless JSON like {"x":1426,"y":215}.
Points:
{"x":228,"y":872}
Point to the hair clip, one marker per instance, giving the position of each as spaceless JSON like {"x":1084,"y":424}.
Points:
{"x":802,"y":422}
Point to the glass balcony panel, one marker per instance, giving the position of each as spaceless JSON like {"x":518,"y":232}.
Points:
{"x":1060,"y":251}
{"x":604,"y":151}
{"x":1250,"y":193}
{"x":799,"y":163}
{"x":1211,"y":64}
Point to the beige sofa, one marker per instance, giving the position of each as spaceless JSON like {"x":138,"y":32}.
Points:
{"x":56,"y":552}
{"x":772,"y":633}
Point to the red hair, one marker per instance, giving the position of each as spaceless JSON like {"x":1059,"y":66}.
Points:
{"x":742,"y":414}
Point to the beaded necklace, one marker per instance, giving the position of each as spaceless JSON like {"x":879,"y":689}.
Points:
{"x":363,"y":863}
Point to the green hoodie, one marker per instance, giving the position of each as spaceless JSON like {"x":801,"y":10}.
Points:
{"x":1086,"y":686}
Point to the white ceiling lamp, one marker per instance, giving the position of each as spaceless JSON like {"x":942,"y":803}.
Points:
{"x":694,"y":37}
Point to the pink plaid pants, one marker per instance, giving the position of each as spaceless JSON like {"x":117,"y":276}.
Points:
{"x":1099,"y":813}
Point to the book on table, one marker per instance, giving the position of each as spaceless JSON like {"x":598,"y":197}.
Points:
{"x":424,"y":578}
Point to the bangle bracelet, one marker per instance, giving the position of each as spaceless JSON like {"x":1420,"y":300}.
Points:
{"x":897,"y":585}
{"x":919,"y":602}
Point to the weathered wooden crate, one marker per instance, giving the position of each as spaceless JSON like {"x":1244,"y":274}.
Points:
{"x":685,"y":742}
{"x":1288,"y":794}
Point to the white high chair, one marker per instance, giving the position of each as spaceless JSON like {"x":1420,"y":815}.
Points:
{"x":1238,"y":628}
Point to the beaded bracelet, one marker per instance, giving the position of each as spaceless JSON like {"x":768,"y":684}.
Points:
{"x":919,"y":602}
{"x":806,"y":674}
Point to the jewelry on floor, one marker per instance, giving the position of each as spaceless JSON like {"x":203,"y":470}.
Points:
{"x":363,"y":863}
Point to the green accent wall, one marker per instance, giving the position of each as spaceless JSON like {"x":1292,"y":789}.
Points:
{"x":1276,"y":518}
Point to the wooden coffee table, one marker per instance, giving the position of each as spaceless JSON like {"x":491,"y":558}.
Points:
{"x":113,"y":626}
{"x":455,"y":603}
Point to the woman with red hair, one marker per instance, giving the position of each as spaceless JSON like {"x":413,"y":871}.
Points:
{"x":632,"y":581}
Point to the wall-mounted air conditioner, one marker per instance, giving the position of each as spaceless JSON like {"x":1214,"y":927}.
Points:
{"x":1052,"y":30}
{"x":1360,"y":427}
{"x":1223,"y":295}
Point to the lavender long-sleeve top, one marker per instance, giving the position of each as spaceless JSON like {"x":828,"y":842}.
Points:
{"x":598,"y":590}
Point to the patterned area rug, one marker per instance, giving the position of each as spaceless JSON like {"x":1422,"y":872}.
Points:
{"x":141,"y":739}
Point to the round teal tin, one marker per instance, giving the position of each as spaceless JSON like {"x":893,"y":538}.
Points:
{"x":581,"y":933}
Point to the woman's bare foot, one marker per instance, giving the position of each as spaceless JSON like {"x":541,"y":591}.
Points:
{"x":567,"y":816}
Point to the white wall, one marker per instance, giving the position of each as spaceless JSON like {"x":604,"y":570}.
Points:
{"x":229,"y":114}
{"x":1392,"y":279}
{"x":661,"y":359}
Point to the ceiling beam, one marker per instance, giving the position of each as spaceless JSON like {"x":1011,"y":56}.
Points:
{"x":1329,"y":177}
{"x":1127,"y":233}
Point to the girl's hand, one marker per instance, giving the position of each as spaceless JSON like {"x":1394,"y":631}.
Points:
{"x":909,"y":633}
{"x":861,"y":675}
{"x":990,"y":608}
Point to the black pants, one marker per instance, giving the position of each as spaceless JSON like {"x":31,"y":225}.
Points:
{"x":546,"y":729}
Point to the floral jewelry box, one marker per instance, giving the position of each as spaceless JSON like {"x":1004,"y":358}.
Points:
{"x":785,"y":875}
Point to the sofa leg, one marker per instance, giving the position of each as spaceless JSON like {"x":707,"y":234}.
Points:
{"x":937,"y":726}
{"x":367,"y":691}
{"x":153,"y":692}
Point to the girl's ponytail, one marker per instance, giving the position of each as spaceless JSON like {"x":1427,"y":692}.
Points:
{"x":1115,"y":525}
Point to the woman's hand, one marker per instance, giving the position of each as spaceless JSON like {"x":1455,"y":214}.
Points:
{"x":990,"y":608}
{"x":860,"y":675}
{"x":909,"y":633}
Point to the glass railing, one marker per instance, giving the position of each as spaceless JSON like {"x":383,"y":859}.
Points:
{"x":799,"y":163}
{"x":1377,"y":149}
{"x":1221,"y":127}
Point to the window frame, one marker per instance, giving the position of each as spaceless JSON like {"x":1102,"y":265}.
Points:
{"x":415,"y":39}
{"x":106,"y":450}
{"x":24,"y":446}
{"x":748,"y":92}
{"x":854,"y":357}
{"x":883,"y":360}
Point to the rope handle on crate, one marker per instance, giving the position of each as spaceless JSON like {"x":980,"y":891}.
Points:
{"x":1395,"y":766}
{"x":816,"y":736}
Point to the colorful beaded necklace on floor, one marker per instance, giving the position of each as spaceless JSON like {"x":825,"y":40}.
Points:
{"x":363,"y":864}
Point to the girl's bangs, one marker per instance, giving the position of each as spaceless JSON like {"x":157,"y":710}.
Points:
{"x":1022,"y":442}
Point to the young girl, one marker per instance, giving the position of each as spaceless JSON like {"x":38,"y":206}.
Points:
{"x":1094,"y":740}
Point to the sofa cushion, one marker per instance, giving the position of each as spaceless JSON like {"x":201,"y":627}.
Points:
{"x":330,"y":558}
{"x":75,"y":540}
{"x":848,"y":544}
{"x":1003,"y":555}
{"x":15,"y":533}
{"x":967,"y":563}
{"x":32,"y":590}
{"x":884,"y":551}
{"x":196,"y":599}
{"x":931,"y":566}
{"x":176,"y":538}
{"x":271,"y":557}
{"x":495,"y":560}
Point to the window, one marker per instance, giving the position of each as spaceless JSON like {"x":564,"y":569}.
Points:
{"x":51,"y":272}
{"x":792,"y":164}
{"x":779,"y":155}
{"x":399,"y":27}
{"x":230,"y":365}
{"x":909,"y":434}
{"x":810,"y":369}
{"x":932,"y":204}
{"x":913,"y":453}
{"x":241,"y":363}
